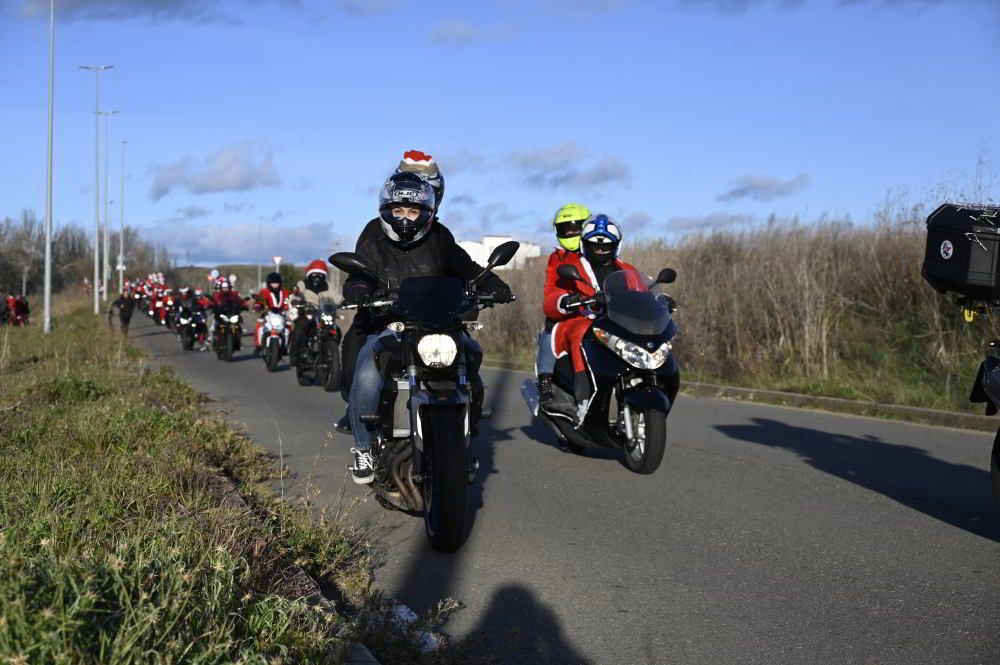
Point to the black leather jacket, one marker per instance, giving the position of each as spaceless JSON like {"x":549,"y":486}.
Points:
{"x":435,"y":255}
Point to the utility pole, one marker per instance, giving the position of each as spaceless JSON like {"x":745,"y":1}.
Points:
{"x":47,"y":319}
{"x":106,"y":264}
{"x":121,"y":231}
{"x":97,"y":69}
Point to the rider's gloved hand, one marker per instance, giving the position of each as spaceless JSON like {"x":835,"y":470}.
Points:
{"x":501,"y":292}
{"x":668,"y":301}
{"x":571,"y":302}
{"x":357,"y":293}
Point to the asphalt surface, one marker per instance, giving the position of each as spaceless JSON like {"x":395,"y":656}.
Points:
{"x":769,"y":535}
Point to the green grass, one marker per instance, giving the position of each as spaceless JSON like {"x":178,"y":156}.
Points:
{"x":114,"y":544}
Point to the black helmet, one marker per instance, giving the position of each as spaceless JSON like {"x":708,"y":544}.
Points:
{"x":412,"y":191}
{"x":272,"y":278}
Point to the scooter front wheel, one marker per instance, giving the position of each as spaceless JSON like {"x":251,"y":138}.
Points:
{"x":645,"y":452}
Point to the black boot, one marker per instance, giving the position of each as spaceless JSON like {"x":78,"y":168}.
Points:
{"x":344,"y":424}
{"x":545,"y":395}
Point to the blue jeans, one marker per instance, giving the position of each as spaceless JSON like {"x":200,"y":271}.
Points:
{"x":365,"y":390}
{"x":545,"y":362}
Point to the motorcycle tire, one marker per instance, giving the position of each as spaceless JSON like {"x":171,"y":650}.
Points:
{"x":303,"y":376}
{"x":331,"y":375}
{"x":272,"y":357}
{"x":187,"y":339}
{"x":647,"y":459}
{"x":995,"y":470}
{"x":446,"y":478}
{"x":229,"y":345}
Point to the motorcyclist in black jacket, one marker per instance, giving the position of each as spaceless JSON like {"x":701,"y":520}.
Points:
{"x":414,"y":161}
{"x":406,"y":240}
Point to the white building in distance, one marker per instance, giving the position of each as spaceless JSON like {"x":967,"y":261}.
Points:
{"x":480,"y":251}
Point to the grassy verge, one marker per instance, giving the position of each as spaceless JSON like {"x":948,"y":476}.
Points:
{"x":115,"y":545}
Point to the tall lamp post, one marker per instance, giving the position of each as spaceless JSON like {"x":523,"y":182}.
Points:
{"x":97,"y":69}
{"x":47,"y":319}
{"x":106,"y":269}
{"x":121,"y":231}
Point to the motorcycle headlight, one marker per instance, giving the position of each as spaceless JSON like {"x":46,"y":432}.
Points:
{"x":185,"y":321}
{"x":276,"y":321}
{"x":633,"y":354}
{"x":328,"y":319}
{"x":235,"y":318}
{"x":437,"y":350}
{"x":293,"y":314}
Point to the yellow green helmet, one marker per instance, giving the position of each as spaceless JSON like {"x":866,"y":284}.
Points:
{"x":569,"y":221}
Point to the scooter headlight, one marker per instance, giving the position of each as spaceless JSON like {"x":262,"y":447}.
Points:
{"x":633,"y":354}
{"x":437,"y":350}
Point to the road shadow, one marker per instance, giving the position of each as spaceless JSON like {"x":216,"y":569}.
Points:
{"x":517,"y":628}
{"x":955,"y":494}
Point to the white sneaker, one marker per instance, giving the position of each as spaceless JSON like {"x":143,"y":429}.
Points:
{"x":363,"y":471}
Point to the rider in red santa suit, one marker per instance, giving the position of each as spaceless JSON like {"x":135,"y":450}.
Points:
{"x":600,"y":242}
{"x":272,"y":296}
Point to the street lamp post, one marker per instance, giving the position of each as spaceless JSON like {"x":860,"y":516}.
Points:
{"x":97,"y":69}
{"x":47,"y":319}
{"x":121,"y":231}
{"x":106,"y":271}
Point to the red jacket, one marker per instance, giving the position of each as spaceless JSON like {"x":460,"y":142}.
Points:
{"x":556,"y":287}
{"x":274,"y":300}
{"x":220,"y":298}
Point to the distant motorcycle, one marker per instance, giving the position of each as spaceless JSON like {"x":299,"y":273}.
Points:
{"x":191,"y":326}
{"x":274,"y":338}
{"x":422,"y":429}
{"x":629,"y":351}
{"x":319,"y":355}
{"x":227,"y":331}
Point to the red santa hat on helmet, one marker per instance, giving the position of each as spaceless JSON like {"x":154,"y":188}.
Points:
{"x":317,"y":266}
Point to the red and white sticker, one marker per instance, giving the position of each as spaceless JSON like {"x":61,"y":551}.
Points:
{"x":947,"y":250}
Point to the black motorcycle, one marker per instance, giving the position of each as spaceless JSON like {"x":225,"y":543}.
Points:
{"x":318,"y":355}
{"x":429,"y":404}
{"x":227,"y":331}
{"x":190,"y":325}
{"x":635,"y":375}
{"x":987,"y":390}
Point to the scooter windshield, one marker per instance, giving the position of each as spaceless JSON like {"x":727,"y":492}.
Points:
{"x":432,"y":301}
{"x":632,"y":305}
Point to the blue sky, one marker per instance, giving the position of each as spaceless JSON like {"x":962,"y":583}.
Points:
{"x":672,"y":115}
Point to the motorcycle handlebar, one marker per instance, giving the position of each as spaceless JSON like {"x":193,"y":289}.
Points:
{"x":484,"y":299}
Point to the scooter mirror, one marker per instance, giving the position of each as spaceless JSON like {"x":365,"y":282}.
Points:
{"x":666,"y":276}
{"x":569,"y":272}
{"x":502,"y":255}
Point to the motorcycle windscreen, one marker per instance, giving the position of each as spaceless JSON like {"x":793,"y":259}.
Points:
{"x":632,"y":305}
{"x":434,"y":301}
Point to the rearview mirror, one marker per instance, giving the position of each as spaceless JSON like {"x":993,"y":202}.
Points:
{"x":350,"y":263}
{"x":666,"y":276}
{"x":502,"y":255}
{"x":569,"y":272}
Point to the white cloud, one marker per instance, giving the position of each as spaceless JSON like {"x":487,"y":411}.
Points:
{"x":240,"y":167}
{"x":764,"y":188}
{"x":460,"y":32}
{"x":237,"y":243}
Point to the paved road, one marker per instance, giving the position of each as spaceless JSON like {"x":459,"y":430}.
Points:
{"x":769,"y":535}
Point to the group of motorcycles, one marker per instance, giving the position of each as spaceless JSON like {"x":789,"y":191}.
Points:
{"x":431,"y":398}
{"x":220,"y":327}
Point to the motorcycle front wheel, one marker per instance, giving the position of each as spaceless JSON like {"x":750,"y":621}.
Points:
{"x":187,"y":339}
{"x":273,"y":356}
{"x":644,"y":454}
{"x":229,"y":345}
{"x":446,"y":477}
{"x":995,"y":470}
{"x":331,"y":363}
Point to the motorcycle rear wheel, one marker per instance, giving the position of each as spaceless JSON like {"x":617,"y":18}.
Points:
{"x":645,"y":456}
{"x":446,"y":478}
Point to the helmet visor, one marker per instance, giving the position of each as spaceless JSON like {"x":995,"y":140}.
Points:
{"x":569,"y":229}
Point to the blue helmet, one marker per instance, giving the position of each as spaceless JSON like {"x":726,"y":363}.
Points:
{"x":600,"y":234}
